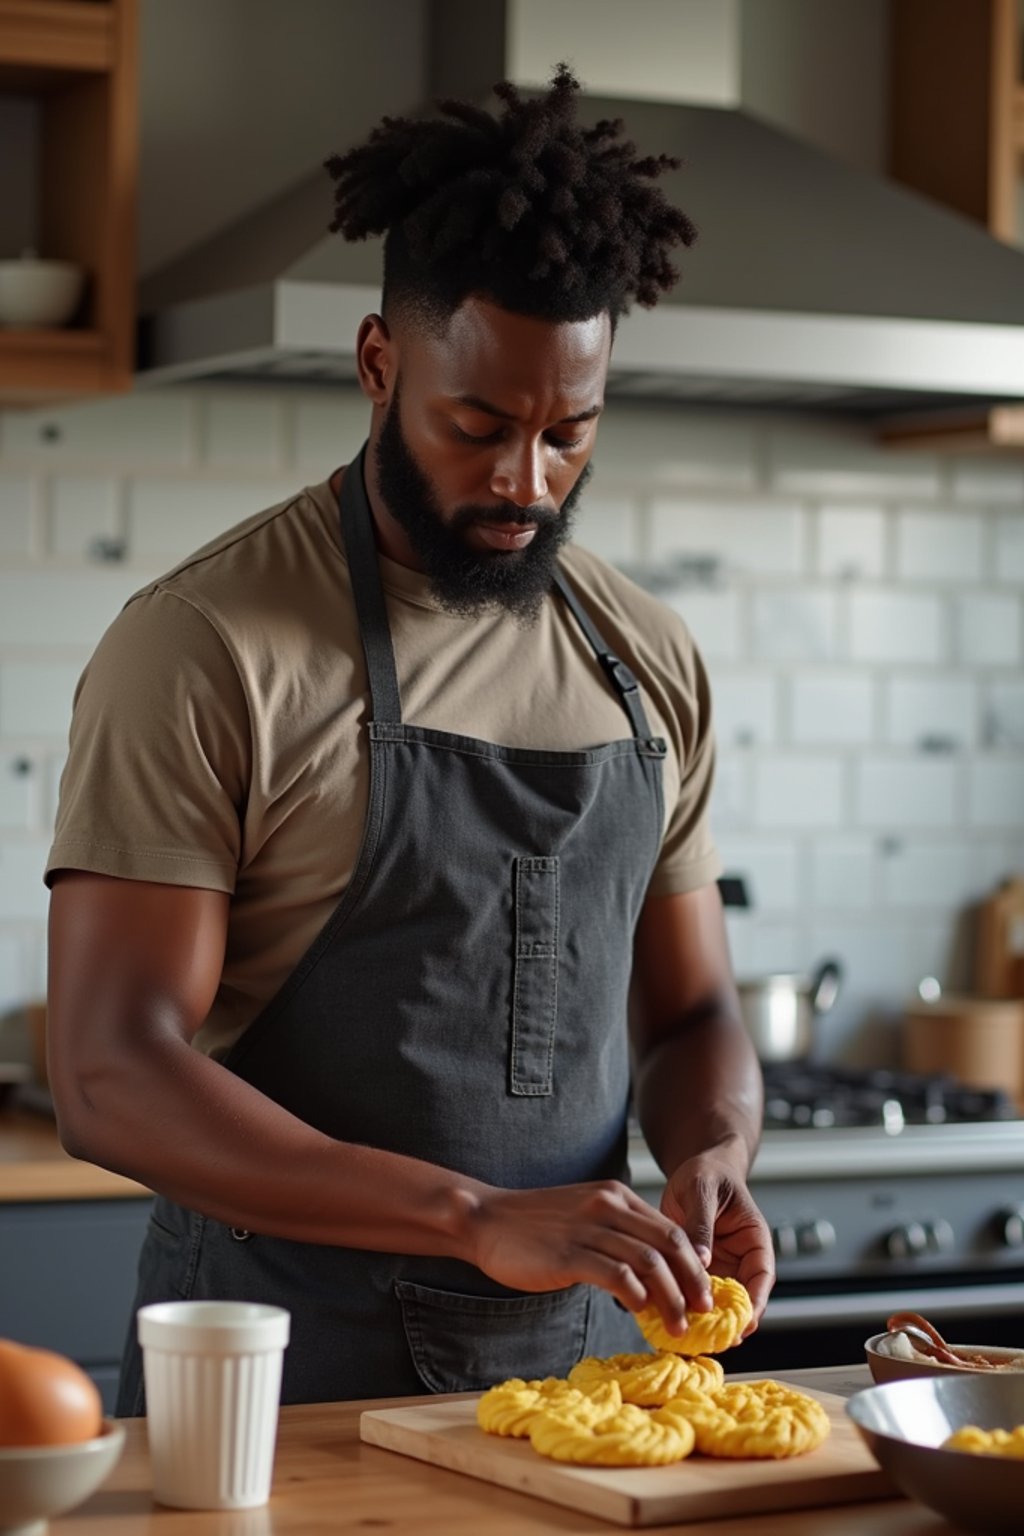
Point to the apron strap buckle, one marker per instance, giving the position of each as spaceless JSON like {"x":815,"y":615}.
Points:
{"x":619,"y":673}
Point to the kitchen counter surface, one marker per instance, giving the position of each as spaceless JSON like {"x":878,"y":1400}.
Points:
{"x":34,"y":1165}
{"x":326,"y":1480}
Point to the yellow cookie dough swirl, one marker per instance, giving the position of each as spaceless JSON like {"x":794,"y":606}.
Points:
{"x":510,"y":1407}
{"x":987,"y":1442}
{"x":707,"y":1333}
{"x":649,"y":1381}
{"x":633,"y":1437}
{"x":760,"y":1419}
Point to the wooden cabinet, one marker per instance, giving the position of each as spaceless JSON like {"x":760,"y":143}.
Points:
{"x":957,"y":106}
{"x":77,"y":60}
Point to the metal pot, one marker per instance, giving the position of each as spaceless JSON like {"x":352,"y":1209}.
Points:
{"x":779,"y":1010}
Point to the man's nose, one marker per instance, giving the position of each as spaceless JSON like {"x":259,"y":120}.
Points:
{"x":518,"y":475}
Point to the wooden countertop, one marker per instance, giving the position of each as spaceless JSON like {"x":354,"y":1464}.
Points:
{"x":34,"y":1165}
{"x":326,"y":1480}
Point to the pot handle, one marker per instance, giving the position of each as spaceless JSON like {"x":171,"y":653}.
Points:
{"x":825,"y":985}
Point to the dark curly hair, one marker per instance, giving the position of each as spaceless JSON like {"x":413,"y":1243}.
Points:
{"x":528,"y":208}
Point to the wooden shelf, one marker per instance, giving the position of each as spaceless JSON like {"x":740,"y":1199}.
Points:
{"x":50,"y":35}
{"x":78,"y":59}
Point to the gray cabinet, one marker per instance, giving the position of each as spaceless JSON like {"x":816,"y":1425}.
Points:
{"x":67,"y":1279}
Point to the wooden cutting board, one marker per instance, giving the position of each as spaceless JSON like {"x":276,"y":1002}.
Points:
{"x":842,"y":1471}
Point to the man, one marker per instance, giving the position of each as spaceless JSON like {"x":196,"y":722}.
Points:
{"x":373,"y":831}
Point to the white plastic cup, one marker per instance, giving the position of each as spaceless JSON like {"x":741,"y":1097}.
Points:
{"x":213,"y":1389}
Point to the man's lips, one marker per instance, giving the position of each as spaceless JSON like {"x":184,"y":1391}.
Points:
{"x":505,"y":535}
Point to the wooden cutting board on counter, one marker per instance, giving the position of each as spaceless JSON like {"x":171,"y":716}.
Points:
{"x":842,"y":1471}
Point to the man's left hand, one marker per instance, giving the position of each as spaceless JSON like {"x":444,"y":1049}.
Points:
{"x":713,"y":1205}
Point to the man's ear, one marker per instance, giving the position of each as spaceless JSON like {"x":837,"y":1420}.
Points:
{"x":376,"y":360}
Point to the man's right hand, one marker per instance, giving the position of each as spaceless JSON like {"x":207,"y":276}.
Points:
{"x":599,"y":1234}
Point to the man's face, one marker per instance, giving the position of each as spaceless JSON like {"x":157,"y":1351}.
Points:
{"x":483,"y":450}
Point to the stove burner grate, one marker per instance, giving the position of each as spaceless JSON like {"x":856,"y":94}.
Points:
{"x":815,"y":1094}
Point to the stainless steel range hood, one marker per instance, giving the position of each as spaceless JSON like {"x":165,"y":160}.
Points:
{"x":813,"y":285}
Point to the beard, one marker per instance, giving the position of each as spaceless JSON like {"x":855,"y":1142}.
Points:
{"x":467,"y":581}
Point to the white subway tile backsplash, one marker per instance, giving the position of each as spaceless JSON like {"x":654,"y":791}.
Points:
{"x":84,"y":516}
{"x":12,"y":972}
{"x":1004,"y":712}
{"x":895,"y":793}
{"x":979,"y":483}
{"x":833,"y":706}
{"x":767,"y":539}
{"x":329,"y":428}
{"x":851,"y":542}
{"x":937,"y":712}
{"x":169,"y":519}
{"x":35,"y":697}
{"x":943,"y":873}
{"x":17,"y":509}
{"x":23,"y":896}
{"x":47,"y":607}
{"x":774,"y":947}
{"x":51,"y":799}
{"x":988,"y":628}
{"x":745,"y":707}
{"x":241,"y":429}
{"x":609,"y":525}
{"x":842,"y":873}
{"x":793,"y":624}
{"x":19,"y":774}
{"x":666,"y":447}
{"x":731,"y":794}
{"x":770,"y":867}
{"x":889,"y":625}
{"x":938,"y":546}
{"x":151,"y":427}
{"x":995,"y":791}
{"x":797,"y":790}
{"x":833,"y":459}
{"x":1009,"y":548}
{"x":713,"y":618}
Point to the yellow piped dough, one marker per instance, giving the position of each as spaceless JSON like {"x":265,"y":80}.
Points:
{"x":987,"y":1442}
{"x":707,"y":1333}
{"x":633,"y":1437}
{"x":757,"y":1419}
{"x":510,"y":1407}
{"x":649,"y":1381}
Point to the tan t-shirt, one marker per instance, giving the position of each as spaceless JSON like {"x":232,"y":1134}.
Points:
{"x":218,"y":736}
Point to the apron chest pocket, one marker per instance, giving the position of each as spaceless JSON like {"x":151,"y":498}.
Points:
{"x":465,"y":1343}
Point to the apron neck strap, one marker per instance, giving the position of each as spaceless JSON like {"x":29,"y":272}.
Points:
{"x":621,"y":678}
{"x":361,"y":550}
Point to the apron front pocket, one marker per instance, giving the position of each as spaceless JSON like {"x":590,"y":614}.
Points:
{"x":535,"y":981}
{"x":463,"y":1343}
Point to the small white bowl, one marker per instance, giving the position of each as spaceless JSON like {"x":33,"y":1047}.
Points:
{"x":39,"y":293}
{"x":37,"y":1481}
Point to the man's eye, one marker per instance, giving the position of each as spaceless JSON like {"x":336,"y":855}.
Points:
{"x":470,"y":437}
{"x":565,"y":443}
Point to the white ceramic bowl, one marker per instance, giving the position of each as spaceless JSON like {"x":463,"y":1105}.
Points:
{"x":885,"y":1365}
{"x":903,"y":1424}
{"x":38,"y":1481}
{"x":38,"y":293}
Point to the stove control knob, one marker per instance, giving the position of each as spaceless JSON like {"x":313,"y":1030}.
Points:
{"x":940,"y":1235}
{"x":1010,"y":1227}
{"x":785,"y":1241}
{"x":816,"y":1236}
{"x":907,"y":1241}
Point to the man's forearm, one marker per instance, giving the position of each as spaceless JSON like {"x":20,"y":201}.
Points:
{"x":701,"y":1089}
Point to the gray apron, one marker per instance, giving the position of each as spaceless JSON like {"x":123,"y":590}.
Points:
{"x":465,"y":1004}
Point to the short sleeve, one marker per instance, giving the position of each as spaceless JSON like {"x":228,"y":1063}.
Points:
{"x":159,"y":758}
{"x":688,"y":856}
